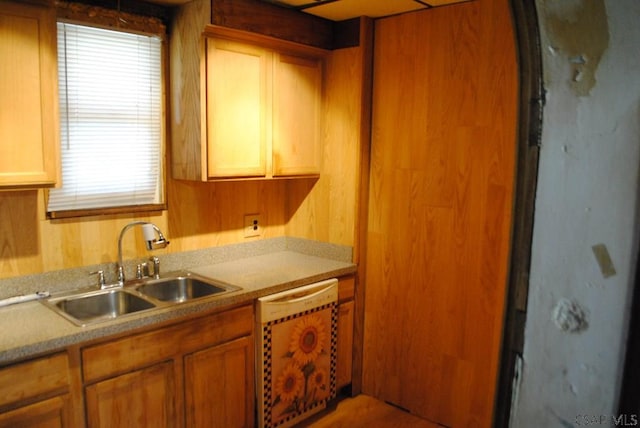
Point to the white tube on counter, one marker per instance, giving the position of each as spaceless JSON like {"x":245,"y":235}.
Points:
{"x":24,"y":298}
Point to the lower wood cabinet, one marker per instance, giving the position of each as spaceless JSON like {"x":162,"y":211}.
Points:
{"x":37,"y":393}
{"x":218,"y":385}
{"x":346,"y":292}
{"x":143,"y":398}
{"x":198,"y":373}
{"x":53,"y":412}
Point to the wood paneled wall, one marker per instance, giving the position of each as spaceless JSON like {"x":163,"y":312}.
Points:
{"x":441,"y":195}
{"x":200,"y":215}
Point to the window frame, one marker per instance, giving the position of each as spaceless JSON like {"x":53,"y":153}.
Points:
{"x":93,"y":16}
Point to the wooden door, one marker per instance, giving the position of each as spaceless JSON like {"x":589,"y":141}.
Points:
{"x":52,"y":413}
{"x":345,"y":344}
{"x":144,"y":398}
{"x":237,"y":82}
{"x":219,"y":387}
{"x":441,"y":192}
{"x":297,"y":101}
{"x":28,"y":96}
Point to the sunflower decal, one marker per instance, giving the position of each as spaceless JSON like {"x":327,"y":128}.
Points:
{"x":290,"y":383}
{"x":301,"y":373}
{"x":308,"y":339}
{"x":319,"y":379}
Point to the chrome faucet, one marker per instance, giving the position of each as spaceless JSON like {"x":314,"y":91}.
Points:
{"x":149,"y":231}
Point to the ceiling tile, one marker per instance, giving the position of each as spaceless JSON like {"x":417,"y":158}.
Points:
{"x":346,"y":9}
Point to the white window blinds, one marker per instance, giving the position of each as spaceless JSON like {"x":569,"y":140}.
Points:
{"x":110,"y":119}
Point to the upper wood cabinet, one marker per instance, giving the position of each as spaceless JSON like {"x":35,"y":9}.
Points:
{"x":260,"y":109}
{"x":236,"y":115}
{"x":297,"y":102}
{"x":29,"y":140}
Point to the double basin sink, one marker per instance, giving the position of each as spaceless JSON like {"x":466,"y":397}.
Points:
{"x":89,"y":307}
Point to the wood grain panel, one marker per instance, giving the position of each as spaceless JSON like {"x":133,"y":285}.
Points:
{"x":29,"y":140}
{"x":33,"y":378}
{"x":345,"y":344}
{"x":209,"y":405}
{"x":187,"y":66}
{"x":264,"y":18}
{"x":236,"y":116}
{"x":52,"y":413}
{"x":297,"y":99}
{"x":19,"y":234}
{"x":441,"y":191}
{"x":141,"y":398}
{"x":325,"y":209}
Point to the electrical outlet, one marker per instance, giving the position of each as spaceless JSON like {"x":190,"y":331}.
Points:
{"x":252,"y":225}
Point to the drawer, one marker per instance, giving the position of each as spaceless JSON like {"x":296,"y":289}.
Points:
{"x":346,"y":288}
{"x":34,"y":378}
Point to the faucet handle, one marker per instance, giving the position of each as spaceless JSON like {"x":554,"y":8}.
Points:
{"x":120,"y":275}
{"x":156,"y":266}
{"x":101,"y":281}
{"x":145,"y":269}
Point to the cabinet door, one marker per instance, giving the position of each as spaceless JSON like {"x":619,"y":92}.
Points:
{"x":236,"y":101}
{"x":51,"y":413}
{"x":28,"y":96}
{"x":219,"y":385}
{"x":144,"y":398}
{"x":297,"y":102}
{"x":345,"y":344}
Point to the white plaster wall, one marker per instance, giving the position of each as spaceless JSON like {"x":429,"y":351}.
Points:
{"x":587,"y":194}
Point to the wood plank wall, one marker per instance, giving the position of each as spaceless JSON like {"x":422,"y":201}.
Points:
{"x":441,"y":197}
{"x":200,"y":215}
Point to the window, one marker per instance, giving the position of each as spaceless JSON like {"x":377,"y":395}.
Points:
{"x":111,"y":121}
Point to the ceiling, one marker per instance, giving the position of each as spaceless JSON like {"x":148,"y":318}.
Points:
{"x":338,"y":10}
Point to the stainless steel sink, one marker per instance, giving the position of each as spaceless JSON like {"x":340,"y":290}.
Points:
{"x":101,"y":305}
{"x":182,"y":288}
{"x":85,"y":307}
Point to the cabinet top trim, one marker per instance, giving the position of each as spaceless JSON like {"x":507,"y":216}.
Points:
{"x":262,"y":40}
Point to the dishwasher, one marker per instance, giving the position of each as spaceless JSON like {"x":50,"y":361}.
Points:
{"x":296,"y":353}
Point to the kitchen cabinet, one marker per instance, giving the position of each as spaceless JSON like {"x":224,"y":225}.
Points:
{"x":196,"y":373}
{"x":29,"y":140}
{"x":346,"y":304}
{"x":36,"y":393}
{"x":142,"y":398}
{"x":230,"y":365}
{"x":260,"y":109}
{"x":236,"y":113}
{"x":297,"y":102}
